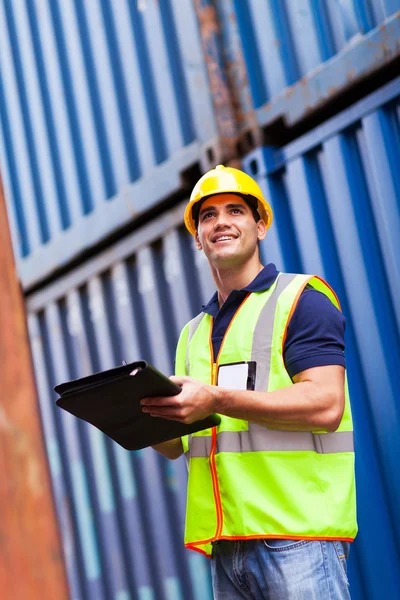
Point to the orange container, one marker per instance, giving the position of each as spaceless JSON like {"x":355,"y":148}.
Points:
{"x":31,"y":558}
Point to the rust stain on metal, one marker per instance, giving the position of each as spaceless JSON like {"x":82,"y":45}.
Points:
{"x":233,"y":107}
{"x":291,"y":90}
{"x":310,"y":94}
{"x":351,"y":74}
{"x":212,"y":49}
{"x":233,"y":104}
{"x":31,"y":565}
{"x":237,"y":73}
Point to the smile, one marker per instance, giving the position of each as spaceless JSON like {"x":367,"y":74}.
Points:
{"x":224,"y":238}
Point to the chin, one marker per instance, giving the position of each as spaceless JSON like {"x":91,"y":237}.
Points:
{"x":223,"y":253}
{"x":227,"y":259}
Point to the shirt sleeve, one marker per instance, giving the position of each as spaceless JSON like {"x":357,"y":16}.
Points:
{"x":315,"y":334}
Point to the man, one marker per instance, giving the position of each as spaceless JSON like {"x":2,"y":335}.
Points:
{"x":271,"y":494}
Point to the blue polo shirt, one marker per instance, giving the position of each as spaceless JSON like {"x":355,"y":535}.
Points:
{"x":315,"y":334}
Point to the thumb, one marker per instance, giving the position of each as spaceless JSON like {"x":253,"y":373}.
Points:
{"x":179,"y":380}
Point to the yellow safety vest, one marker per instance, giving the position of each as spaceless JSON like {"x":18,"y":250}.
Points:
{"x":249,"y":481}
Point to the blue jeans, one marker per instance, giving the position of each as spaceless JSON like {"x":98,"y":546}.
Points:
{"x":280,"y":570}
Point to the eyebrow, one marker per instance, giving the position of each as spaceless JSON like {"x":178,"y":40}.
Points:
{"x":237,"y":205}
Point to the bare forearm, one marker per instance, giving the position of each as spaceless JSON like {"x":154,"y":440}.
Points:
{"x":171,"y":449}
{"x":314,"y":402}
{"x":297,"y":407}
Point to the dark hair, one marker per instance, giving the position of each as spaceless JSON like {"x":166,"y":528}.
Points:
{"x":251,"y":202}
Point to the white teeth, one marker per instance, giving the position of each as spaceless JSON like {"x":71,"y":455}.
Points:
{"x":224,"y":238}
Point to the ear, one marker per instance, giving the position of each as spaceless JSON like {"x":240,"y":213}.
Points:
{"x":261,"y":230}
{"x":198,"y":243}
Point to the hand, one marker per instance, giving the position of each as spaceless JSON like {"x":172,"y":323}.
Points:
{"x":196,"y":401}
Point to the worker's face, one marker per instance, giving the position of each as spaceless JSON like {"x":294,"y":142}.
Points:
{"x":227,"y":231}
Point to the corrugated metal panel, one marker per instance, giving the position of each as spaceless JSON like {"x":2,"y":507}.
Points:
{"x":103,"y":105}
{"x":31,"y":564}
{"x":127,"y":509}
{"x":335,"y":193}
{"x":300,"y":54}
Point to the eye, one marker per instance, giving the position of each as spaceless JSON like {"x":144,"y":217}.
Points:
{"x":206,"y":215}
{"x":237,"y":211}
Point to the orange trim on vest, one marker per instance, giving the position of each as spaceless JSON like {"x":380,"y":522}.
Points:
{"x":293,"y":309}
{"x":213,"y":365}
{"x":268,"y":536}
{"x":189,"y":547}
{"x":201,"y":543}
{"x":213,"y":466}
{"x":332,"y":290}
{"x":297,"y":299}
{"x":193,"y":545}
{"x":214,"y":475}
{"x":283,"y":537}
{"x":226,"y":332}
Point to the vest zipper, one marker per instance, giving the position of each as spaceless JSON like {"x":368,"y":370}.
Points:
{"x":214,"y":374}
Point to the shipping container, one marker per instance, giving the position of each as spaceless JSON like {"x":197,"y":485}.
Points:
{"x":32,"y":561}
{"x":335,"y":193}
{"x":127,"y":508}
{"x":104,"y":108}
{"x":301,"y":55}
{"x":108,"y":109}
{"x":336,"y":199}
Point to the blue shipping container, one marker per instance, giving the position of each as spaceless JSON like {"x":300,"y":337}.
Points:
{"x":300,"y":54}
{"x":335,"y":193}
{"x":103,"y":106}
{"x":121,"y":513}
{"x":336,"y":197}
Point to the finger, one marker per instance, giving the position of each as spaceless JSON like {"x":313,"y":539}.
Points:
{"x":167,"y":410}
{"x":167,"y":416}
{"x":157,"y":401}
{"x":179,"y":380}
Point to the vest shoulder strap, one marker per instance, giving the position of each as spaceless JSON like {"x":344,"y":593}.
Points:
{"x":181,"y":355}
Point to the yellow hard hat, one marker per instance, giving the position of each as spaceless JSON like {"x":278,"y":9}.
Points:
{"x":224,"y":180}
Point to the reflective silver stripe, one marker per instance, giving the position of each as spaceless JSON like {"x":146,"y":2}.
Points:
{"x":187,"y":453}
{"x":262,"y":336}
{"x":200,"y":446}
{"x":267,"y":440}
{"x":193,"y":325}
{"x":341,"y":441}
{"x":189,"y":441}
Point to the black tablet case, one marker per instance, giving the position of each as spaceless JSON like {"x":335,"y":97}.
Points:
{"x":110,"y":400}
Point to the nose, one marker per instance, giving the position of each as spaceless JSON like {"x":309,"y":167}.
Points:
{"x":221,"y":221}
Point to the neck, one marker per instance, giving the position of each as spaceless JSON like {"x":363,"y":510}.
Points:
{"x":234,"y":278}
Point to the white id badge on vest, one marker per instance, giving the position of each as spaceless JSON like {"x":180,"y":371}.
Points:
{"x":237,"y":376}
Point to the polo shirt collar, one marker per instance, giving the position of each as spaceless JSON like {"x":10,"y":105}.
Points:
{"x":260,"y":283}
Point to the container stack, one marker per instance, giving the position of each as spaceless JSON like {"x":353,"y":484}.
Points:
{"x":109,"y":113}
